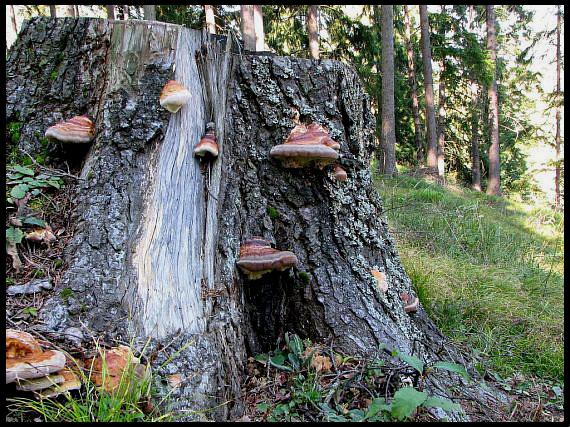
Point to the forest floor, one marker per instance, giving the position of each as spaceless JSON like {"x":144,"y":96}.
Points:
{"x":490,"y":273}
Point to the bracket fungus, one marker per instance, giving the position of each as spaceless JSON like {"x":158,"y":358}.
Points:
{"x":174,"y":96}
{"x":307,"y":145}
{"x":108,"y":369}
{"x":70,"y":382}
{"x":340,"y":173}
{"x":411,"y":303}
{"x":380,"y":280}
{"x":25,"y":359}
{"x":207,"y":145}
{"x":79,"y":129}
{"x":257,"y":257}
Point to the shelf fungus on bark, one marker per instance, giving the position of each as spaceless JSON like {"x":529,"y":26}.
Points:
{"x":340,"y":173}
{"x":380,"y":280}
{"x":305,"y":146}
{"x":108,"y":369}
{"x":411,"y":303}
{"x":26,"y":360}
{"x":257,"y":257}
{"x":78,"y":130}
{"x":70,"y":382}
{"x":174,"y":96}
{"x":207,"y":147}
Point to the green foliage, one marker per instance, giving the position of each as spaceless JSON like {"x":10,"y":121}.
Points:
{"x":406,"y":401}
{"x":65,"y":294}
{"x":272,"y":212}
{"x":305,"y":277}
{"x":14,"y":129}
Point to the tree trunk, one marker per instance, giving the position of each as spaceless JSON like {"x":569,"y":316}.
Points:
{"x":313,"y":31}
{"x":441,"y":123}
{"x":428,"y":84}
{"x":557,"y":204}
{"x":149,"y":11}
{"x":388,"y":141}
{"x":125,"y":11}
{"x":70,"y":11}
{"x":413,"y":87}
{"x":157,"y":236}
{"x":76,"y":11}
{"x":247,"y":27}
{"x":110,"y":11}
{"x":258,"y":25}
{"x":475,"y":157}
{"x":13,"y":19}
{"x":52,"y":11}
{"x":494,"y":182}
{"x":475,"y":153}
{"x":378,"y":94}
{"x":210,"y":18}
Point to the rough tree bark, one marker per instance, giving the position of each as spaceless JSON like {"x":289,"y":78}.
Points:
{"x":494,"y":181}
{"x":313,"y":31}
{"x":247,"y":27}
{"x":428,"y":84}
{"x":388,"y":140}
{"x":158,"y":233}
{"x":413,"y":87}
{"x":210,"y":18}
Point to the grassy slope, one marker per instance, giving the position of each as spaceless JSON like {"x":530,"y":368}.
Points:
{"x":488,"y":271}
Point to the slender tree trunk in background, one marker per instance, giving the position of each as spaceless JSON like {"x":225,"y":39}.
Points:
{"x":388,"y":140}
{"x":475,"y":153}
{"x":414,"y":87}
{"x":126,"y":11}
{"x":441,"y":123}
{"x":258,"y":25}
{"x":210,"y":18}
{"x":475,"y":157}
{"x":428,"y":83}
{"x":110,"y":11}
{"x":558,"y":100}
{"x":378,"y":94}
{"x":70,"y":11}
{"x":76,"y":7}
{"x":494,"y":182}
{"x":247,"y":27}
{"x":52,"y":11}
{"x":149,"y":12}
{"x":313,"y":31}
{"x":13,"y":19}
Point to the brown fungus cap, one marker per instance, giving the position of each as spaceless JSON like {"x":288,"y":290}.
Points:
{"x":340,"y":173}
{"x":79,"y":129}
{"x":70,"y":382}
{"x":107,"y":370}
{"x":257,"y":257}
{"x":411,"y":303}
{"x":42,"y":383}
{"x":34,"y":365}
{"x":174,"y":96}
{"x":20,"y":344}
{"x":207,"y":145}
{"x":306,"y":145}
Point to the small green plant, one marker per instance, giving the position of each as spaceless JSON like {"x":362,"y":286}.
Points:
{"x":272,"y":212}
{"x":14,"y":129}
{"x":305,"y":277}
{"x":65,"y":294}
{"x":30,"y":311}
{"x":53,"y":75}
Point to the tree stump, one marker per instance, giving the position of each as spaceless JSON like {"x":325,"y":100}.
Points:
{"x":158,"y":231}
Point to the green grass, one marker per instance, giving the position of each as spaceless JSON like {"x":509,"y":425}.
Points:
{"x":488,"y":270}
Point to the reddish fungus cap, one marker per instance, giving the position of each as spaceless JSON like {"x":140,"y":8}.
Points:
{"x":174,"y":96}
{"x":306,"y":145}
{"x":257,"y":257}
{"x":79,"y":129}
{"x":208,"y":144}
{"x":340,"y":173}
